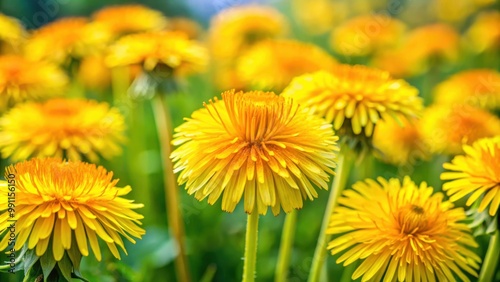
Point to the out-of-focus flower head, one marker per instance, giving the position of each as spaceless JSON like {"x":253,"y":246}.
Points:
{"x":233,"y":30}
{"x":478,"y":87}
{"x":402,"y":232}
{"x":484,"y":33}
{"x":445,"y":128}
{"x":123,"y":19}
{"x":166,"y":51}
{"x":367,"y":34}
{"x":456,"y":10}
{"x":22,"y":80}
{"x":272,"y":64}
{"x":12,"y":34}
{"x":476,"y":173}
{"x":399,"y":145}
{"x":62,"y":128}
{"x":191,"y":28}
{"x":255,"y":145}
{"x":66,"y":38}
{"x":319,"y":16}
{"x":94,"y":73}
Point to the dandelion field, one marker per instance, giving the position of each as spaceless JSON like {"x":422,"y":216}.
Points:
{"x":320,"y":140}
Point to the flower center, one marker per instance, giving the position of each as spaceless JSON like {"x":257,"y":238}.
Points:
{"x":412,"y":219}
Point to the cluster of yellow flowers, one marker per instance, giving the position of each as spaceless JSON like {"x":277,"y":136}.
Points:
{"x":291,"y":116}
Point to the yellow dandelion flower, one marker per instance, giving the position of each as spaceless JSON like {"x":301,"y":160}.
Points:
{"x":130,"y":18}
{"x":255,"y":145}
{"x":272,"y":64}
{"x":484,"y":33}
{"x":66,"y":38}
{"x":235,"y":29}
{"x":62,"y":127}
{"x":94,"y":73}
{"x":355,"y":98}
{"x":56,"y":201}
{"x":402,"y":232}
{"x":319,"y":16}
{"x":11,"y":32}
{"x":152,"y":49}
{"x":22,"y":79}
{"x":477,"y":87}
{"x":446,"y":128}
{"x":476,"y":173}
{"x":366,"y":34}
{"x":399,"y":145}
{"x":191,"y":28}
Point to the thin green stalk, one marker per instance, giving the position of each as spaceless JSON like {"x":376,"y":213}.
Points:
{"x":120,"y":82}
{"x":345,"y":159}
{"x":251,"y":247}
{"x":174,"y":217}
{"x":286,"y":247}
{"x":491,"y":259}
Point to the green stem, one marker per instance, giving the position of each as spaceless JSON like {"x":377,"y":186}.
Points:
{"x":341,"y":175}
{"x":491,"y":259}
{"x":164,"y":128}
{"x":286,"y":247}
{"x":251,"y":247}
{"x":120,"y":83}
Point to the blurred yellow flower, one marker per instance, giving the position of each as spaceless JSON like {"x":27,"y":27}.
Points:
{"x":354,"y":98}
{"x":367,"y":34}
{"x":319,"y":16}
{"x":255,"y":144}
{"x":399,"y":145}
{"x":446,"y":128}
{"x":61,"y":128}
{"x":476,"y":173}
{"x":58,"y":200}
{"x":402,"y":232}
{"x":191,"y":28}
{"x":233,"y":30}
{"x":94,"y":73}
{"x":66,"y":38}
{"x":272,"y":64}
{"x":173,"y":50}
{"x":484,"y":33}
{"x":477,"y":87}
{"x":457,"y":10}
{"x":22,"y":80}
{"x":131,"y":18}
{"x":12,"y":34}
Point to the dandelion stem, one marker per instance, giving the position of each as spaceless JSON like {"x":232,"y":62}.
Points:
{"x":163,"y":126}
{"x":251,"y":247}
{"x":341,"y":175}
{"x":491,"y":259}
{"x":286,"y":247}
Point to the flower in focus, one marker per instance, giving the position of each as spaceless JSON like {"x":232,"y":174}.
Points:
{"x":58,"y":200}
{"x":12,"y":34}
{"x":402,"y":232}
{"x":484,"y":33}
{"x":125,"y":19}
{"x":319,"y":16}
{"x":234,"y":29}
{"x":173,"y":50}
{"x":399,"y":145}
{"x":478,"y":87}
{"x":354,"y":98}
{"x":446,"y":128}
{"x":61,"y":128}
{"x":255,"y":145}
{"x":66,"y":38}
{"x":272,"y":64}
{"x":364,"y":35}
{"x":476,"y":173}
{"x":22,"y":79}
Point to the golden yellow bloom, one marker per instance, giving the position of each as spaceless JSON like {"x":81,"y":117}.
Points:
{"x":255,"y":144}
{"x":191,"y":28}
{"x":56,"y":201}
{"x":446,"y":128}
{"x":399,"y":145}
{"x":484,"y":33}
{"x":319,"y":16}
{"x":272,"y":64}
{"x":457,"y":10}
{"x":235,"y":29}
{"x":477,"y":174}
{"x":354,"y":98}
{"x":130,"y":18}
{"x":11,"y":32}
{"x":402,"y":232}
{"x":151,"y":49}
{"x":366,"y":34}
{"x":478,"y":87}
{"x":62,"y":127}
{"x":94,"y":73}
{"x":67,"y":38}
{"x":22,"y":79}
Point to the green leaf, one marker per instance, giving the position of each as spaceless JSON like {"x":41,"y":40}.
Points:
{"x":74,"y":255}
{"x":34,"y":273}
{"x":65,"y":267}
{"x":29,"y":260}
{"x":47,"y":262}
